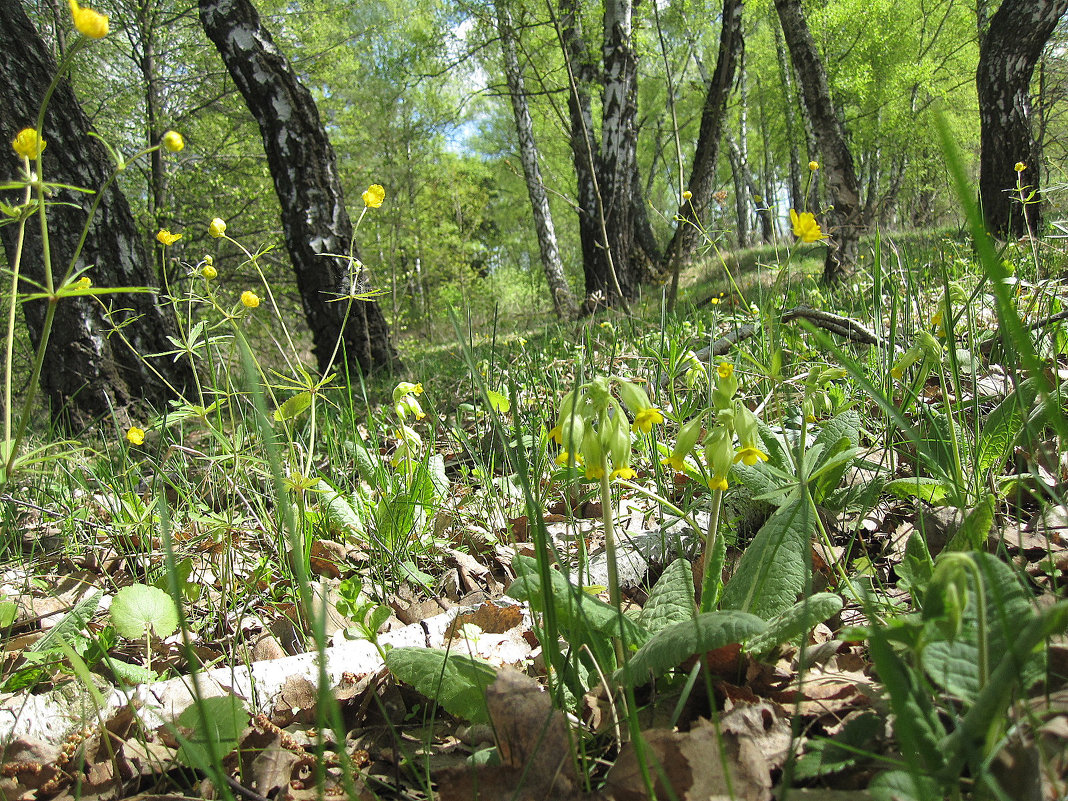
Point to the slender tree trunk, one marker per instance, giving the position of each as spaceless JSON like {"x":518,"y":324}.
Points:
{"x":559,"y":289}
{"x":304,"y":168}
{"x":794,"y":130}
{"x":694,"y":210}
{"x":837,"y":164}
{"x":87,"y":372}
{"x":1008,"y":53}
{"x":741,"y":205}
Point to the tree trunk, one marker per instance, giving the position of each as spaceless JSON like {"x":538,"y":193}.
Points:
{"x":794,"y":130}
{"x":87,"y":373}
{"x":839,"y":173}
{"x":304,"y":168}
{"x":692,"y":211}
{"x":1008,"y":53}
{"x":559,"y":289}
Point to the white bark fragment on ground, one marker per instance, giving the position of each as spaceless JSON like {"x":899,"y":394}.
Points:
{"x":52,"y":718}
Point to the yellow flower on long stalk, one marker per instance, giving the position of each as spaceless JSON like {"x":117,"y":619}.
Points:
{"x":88,"y":22}
{"x":135,"y":436}
{"x":28,"y":143}
{"x":373,"y":196}
{"x":166,"y":237}
{"x":173,"y":141}
{"x":217,"y":227}
{"x":249,"y":299}
{"x":805,"y":226}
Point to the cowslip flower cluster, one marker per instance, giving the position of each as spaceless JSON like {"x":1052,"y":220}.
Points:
{"x":594,"y":430}
{"x":925,"y":347}
{"x":28,"y":143}
{"x":406,"y":403}
{"x":715,"y":430}
{"x":805,"y":226}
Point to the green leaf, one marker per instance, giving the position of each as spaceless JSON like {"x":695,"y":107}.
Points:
{"x":499,"y":402}
{"x":796,"y":621}
{"x":138,"y":608}
{"x":827,"y":756}
{"x":974,"y":528}
{"x":773,"y":571}
{"x":293,"y":407}
{"x":455,"y":681}
{"x":8,"y":612}
{"x":225,"y":717}
{"x":903,"y":785}
{"x":129,"y":674}
{"x":338,"y":510}
{"x":840,"y":437}
{"x":1003,"y":425}
{"x":672,"y":646}
{"x":916,"y":568}
{"x":70,"y":627}
{"x":926,"y":489}
{"x":672,"y":599}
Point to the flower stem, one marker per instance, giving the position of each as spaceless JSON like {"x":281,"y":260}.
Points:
{"x":710,"y":583}
{"x":610,"y":550}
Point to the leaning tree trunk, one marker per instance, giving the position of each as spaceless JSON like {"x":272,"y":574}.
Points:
{"x":693,"y":211}
{"x":87,"y":371}
{"x":304,"y":168}
{"x":1008,"y":53}
{"x":559,"y":289}
{"x":839,"y":173}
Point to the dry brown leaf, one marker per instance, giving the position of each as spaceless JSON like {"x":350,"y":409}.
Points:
{"x":491,"y":617}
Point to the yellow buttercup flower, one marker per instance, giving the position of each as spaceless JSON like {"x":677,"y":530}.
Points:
{"x":373,"y":196}
{"x":1020,"y":166}
{"x":83,"y":283}
{"x":173,"y":141}
{"x":217,"y":227}
{"x":805,"y":226}
{"x":209,"y":272}
{"x":136,"y":436}
{"x":813,"y":165}
{"x":166,"y":237}
{"x":28,"y":143}
{"x":687,"y":195}
{"x":249,"y":299}
{"x":88,"y":22}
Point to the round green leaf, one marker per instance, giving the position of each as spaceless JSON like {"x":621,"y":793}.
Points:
{"x":138,"y":608}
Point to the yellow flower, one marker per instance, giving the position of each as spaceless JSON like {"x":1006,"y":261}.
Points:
{"x":1020,"y":166}
{"x":209,"y":272}
{"x":594,"y":470}
{"x":28,"y":143}
{"x":896,"y":372}
{"x":217,"y":228}
{"x":557,"y":435}
{"x":687,"y":195}
{"x":675,"y":461}
{"x":717,"y":483}
{"x":645,"y":419}
{"x":249,"y":299}
{"x":564,"y":458}
{"x":750,"y":455}
{"x":623,"y":472}
{"x":813,"y":165}
{"x":166,"y":237}
{"x":725,"y":369}
{"x":88,"y":22}
{"x":713,"y":301}
{"x":805,"y":226}
{"x":136,"y":436}
{"x":83,"y":283}
{"x":373,"y":197}
{"x":173,"y":141}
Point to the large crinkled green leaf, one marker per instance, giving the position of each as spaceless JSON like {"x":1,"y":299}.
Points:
{"x":338,"y":510}
{"x":457,"y":682}
{"x":931,"y":490}
{"x":672,"y":598}
{"x":674,"y":645}
{"x":773,"y":571}
{"x":796,"y":621}
{"x":1003,"y":425}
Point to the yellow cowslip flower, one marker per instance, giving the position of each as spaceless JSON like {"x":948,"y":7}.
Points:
{"x":166,"y":237}
{"x":249,"y":299}
{"x":209,"y":272}
{"x":725,"y":369}
{"x":805,"y":226}
{"x":373,"y":196}
{"x":136,"y":436}
{"x":88,"y":22}
{"x":217,"y":227}
{"x":28,"y":143}
{"x":750,"y":455}
{"x":675,"y":461}
{"x":564,"y":458}
{"x":594,"y":470}
{"x":645,"y":419}
{"x":556,"y":434}
{"x":717,"y":483}
{"x":173,"y":141}
{"x":813,"y":165}
{"x":623,"y":472}
{"x":1020,"y":166}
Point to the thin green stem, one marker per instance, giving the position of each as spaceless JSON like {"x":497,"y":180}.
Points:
{"x":610,"y":549}
{"x":708,"y":583}
{"x":9,"y":345}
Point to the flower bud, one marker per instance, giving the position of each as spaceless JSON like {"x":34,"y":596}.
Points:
{"x":217,"y":227}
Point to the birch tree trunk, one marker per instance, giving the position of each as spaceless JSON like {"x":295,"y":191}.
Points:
{"x":839,"y":174}
{"x":302,"y":163}
{"x":559,"y":289}
{"x":794,"y":129}
{"x":1008,"y":52}
{"x":693,"y":211}
{"x":87,"y":372}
